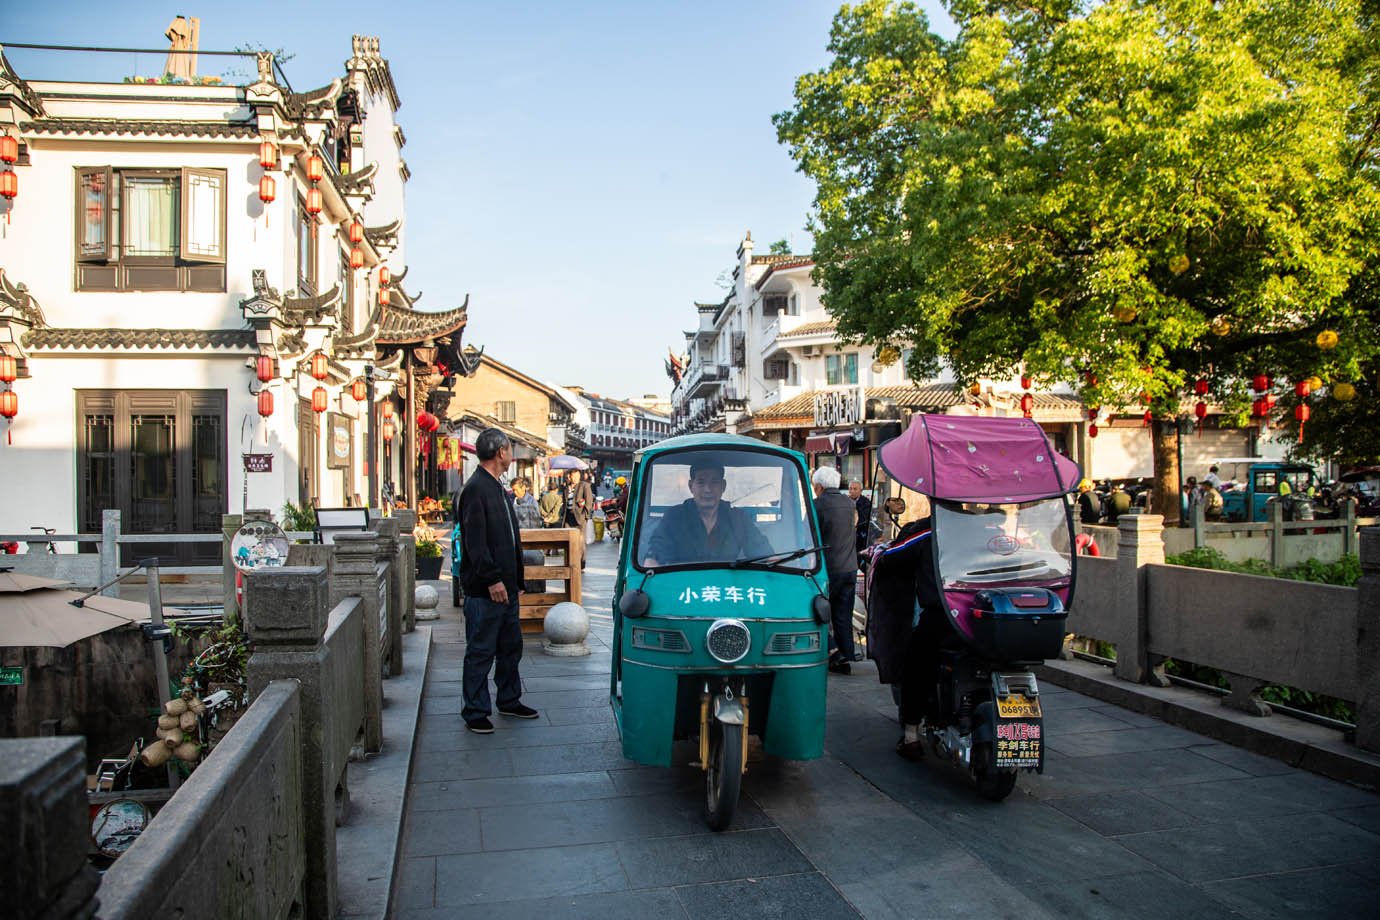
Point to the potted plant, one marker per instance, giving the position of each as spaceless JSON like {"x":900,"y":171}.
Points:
{"x":428,"y":560}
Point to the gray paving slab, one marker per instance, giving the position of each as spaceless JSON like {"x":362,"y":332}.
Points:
{"x":1132,"y":817}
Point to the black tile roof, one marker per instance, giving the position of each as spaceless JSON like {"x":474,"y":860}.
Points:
{"x":125,"y":126}
{"x":48,"y":337}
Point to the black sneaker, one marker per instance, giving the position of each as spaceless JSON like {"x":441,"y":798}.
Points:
{"x":518,"y":711}
{"x":839,"y":666}
{"x":480,"y":726}
{"x":911,"y":750}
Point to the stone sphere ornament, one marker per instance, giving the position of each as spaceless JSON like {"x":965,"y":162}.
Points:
{"x":566,"y":625}
{"x":426,"y":599}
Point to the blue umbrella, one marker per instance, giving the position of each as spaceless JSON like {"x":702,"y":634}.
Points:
{"x":567,"y":462}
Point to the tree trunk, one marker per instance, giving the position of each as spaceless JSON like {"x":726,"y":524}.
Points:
{"x":1164,"y":492}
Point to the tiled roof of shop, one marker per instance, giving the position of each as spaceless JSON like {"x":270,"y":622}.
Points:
{"x":401,"y":326}
{"x":125,"y":126}
{"x":779,"y":259}
{"x":816,"y":328}
{"x":48,"y":337}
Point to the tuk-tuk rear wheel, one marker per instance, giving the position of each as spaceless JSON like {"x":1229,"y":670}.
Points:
{"x":724,"y":779}
{"x":992,"y":784}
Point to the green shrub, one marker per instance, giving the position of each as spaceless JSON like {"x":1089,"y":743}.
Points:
{"x":1345,"y":571}
{"x":428,"y":549}
{"x":298,"y":518}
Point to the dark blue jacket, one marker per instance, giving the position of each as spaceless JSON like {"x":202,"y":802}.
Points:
{"x":491,"y":549}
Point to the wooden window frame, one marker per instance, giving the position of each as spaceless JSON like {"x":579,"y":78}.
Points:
{"x":111,"y":270}
{"x":309,"y":274}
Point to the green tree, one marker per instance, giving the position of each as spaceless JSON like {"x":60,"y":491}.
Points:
{"x":1130,"y":194}
{"x":781,"y":247}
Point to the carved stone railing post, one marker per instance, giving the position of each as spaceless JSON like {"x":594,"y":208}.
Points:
{"x":388,"y":554}
{"x":356,"y":575}
{"x":405,"y":573}
{"x":1140,"y":542}
{"x":1368,"y":643}
{"x":110,"y":550}
{"x":43,"y":867}
{"x":288,"y":608}
{"x":229,"y":525}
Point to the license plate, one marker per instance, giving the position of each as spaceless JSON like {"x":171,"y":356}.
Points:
{"x":1018,"y":706}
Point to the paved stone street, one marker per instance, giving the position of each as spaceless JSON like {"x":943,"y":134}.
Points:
{"x":1132,"y":818}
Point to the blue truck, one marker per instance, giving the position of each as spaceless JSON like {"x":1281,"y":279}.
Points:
{"x":1256,"y":481}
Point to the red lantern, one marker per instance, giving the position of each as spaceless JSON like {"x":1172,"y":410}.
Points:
{"x":1301,"y":413}
{"x":1200,"y":387}
{"x":388,"y":409}
{"x":1147,"y":418}
{"x":1301,"y":389}
{"x":384,"y":299}
{"x":356,"y":232}
{"x":316,"y":168}
{"x":268,"y":154}
{"x":9,"y":184}
{"x":318,"y":399}
{"x":9,"y":369}
{"x":314,"y":201}
{"x":1200,"y":410}
{"x":263,"y":368}
{"x":265,"y":403}
{"x":1270,"y":401}
{"x":319,"y":365}
{"x":268,"y":189}
{"x":1025,"y":382}
{"x":9,"y":149}
{"x":385,"y":276}
{"x":9,"y":408}
{"x":1027,"y":404}
{"x":387,"y":430}
{"x":359,"y":390}
{"x":1092,"y":431}
{"x":1092,"y":413}
{"x":1260,"y":383}
{"x":356,"y":257}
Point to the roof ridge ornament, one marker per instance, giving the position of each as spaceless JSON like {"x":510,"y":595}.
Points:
{"x":16,"y":300}
{"x":14,"y":86}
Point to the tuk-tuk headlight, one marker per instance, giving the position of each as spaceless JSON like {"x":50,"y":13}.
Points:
{"x":728,"y":640}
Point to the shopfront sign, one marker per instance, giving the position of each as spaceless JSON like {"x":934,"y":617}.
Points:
{"x":11,"y":677}
{"x":341,"y":436}
{"x":838,"y":408}
{"x":258,"y":463}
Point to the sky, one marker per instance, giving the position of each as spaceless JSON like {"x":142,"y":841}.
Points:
{"x":584,"y":171}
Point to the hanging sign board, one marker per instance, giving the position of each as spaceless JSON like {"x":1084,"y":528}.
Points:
{"x":258,"y":463}
{"x":11,"y":677}
{"x":340,"y":437}
{"x":258,"y":545}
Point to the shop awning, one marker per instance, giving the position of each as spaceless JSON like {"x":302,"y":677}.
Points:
{"x":836,"y":442}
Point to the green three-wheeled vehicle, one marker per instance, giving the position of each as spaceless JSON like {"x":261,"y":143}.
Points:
{"x":720,"y":610}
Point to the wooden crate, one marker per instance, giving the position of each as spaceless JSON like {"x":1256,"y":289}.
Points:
{"x":569,"y":542}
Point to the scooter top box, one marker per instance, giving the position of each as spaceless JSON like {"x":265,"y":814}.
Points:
{"x":1018,"y":624}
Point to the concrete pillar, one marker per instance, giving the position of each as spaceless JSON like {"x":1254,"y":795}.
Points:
{"x":43,"y":867}
{"x":229,"y":525}
{"x":1368,"y":643}
{"x":110,"y":550}
{"x":356,"y":576}
{"x":1276,"y":509}
{"x":1140,"y":542}
{"x":289,"y":609}
{"x":387,"y":529}
{"x":405,"y":573}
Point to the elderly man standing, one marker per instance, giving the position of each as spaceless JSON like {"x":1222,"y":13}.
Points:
{"x":864,"y":506}
{"x":491,"y":573}
{"x":838,"y":530}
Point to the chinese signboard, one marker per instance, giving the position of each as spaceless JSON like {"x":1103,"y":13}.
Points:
{"x":258,"y":463}
{"x":11,"y":677}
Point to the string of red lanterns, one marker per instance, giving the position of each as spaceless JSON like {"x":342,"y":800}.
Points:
{"x":9,"y":399}
{"x":9,"y":180}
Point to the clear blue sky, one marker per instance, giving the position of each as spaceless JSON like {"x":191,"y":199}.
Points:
{"x":583,"y":170}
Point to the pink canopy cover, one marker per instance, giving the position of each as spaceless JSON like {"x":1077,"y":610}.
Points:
{"x":971,"y":458}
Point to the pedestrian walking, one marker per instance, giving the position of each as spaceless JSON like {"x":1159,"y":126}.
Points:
{"x":1089,"y":505}
{"x":838,"y":527}
{"x":552,"y":504}
{"x":863,"y":504}
{"x":581,"y":509}
{"x":491,"y":573}
{"x":525,"y":504}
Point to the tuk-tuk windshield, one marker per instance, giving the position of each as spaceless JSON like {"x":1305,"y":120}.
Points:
{"x":719,"y":507}
{"x":986,"y":545}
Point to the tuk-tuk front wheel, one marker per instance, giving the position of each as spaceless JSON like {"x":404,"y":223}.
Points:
{"x":724,"y":779}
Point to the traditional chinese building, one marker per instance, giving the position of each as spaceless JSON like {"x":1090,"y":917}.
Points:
{"x":197,"y":297}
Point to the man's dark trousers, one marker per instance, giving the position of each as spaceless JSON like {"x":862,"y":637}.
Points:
{"x":492,"y":634}
{"x":842,"y":588}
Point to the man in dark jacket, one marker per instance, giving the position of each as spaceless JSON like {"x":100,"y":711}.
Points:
{"x":704,"y":528}
{"x":864,"y":506}
{"x":838,"y":529}
{"x":491,"y":574}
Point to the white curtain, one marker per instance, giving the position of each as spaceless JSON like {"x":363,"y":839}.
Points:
{"x":152,"y":217}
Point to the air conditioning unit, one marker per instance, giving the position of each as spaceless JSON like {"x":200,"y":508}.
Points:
{"x":807,"y":350}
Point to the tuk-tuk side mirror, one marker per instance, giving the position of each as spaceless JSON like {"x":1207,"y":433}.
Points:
{"x":635,"y":603}
{"x":820,"y":605}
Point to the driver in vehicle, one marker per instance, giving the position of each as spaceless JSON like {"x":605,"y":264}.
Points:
{"x":705,"y":528}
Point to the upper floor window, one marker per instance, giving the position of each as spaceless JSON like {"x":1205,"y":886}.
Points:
{"x":306,"y":251}
{"x":505,"y":410}
{"x":841,"y":368}
{"x":150,"y":229}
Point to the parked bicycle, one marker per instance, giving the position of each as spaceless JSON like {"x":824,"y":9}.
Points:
{"x":41,"y":546}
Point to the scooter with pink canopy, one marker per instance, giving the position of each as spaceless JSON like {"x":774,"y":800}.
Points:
{"x":964,"y":603}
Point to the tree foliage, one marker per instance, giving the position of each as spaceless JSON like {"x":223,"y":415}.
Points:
{"x":1129,"y":194}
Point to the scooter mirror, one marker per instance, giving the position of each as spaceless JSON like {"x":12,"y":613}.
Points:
{"x":821,"y":608}
{"x":634,"y":604}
